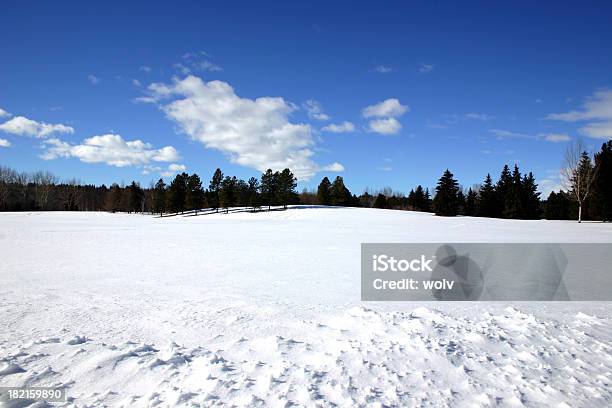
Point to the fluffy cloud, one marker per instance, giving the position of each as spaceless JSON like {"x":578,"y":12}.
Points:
{"x":4,"y":114}
{"x":23,"y":126}
{"x":255,"y":133}
{"x":315,"y":110}
{"x":110,"y":149}
{"x":334,"y":167}
{"x":388,"y":108}
{"x":387,"y":126}
{"x":596,"y":110}
{"x":5,"y":143}
{"x":344,"y":127}
{"x":387,"y":111}
{"x":169,"y":171}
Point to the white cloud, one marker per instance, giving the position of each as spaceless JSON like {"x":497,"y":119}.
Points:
{"x":597,"y":110}
{"x":145,"y":68}
{"x":503,"y":134}
{"x":344,"y":127}
{"x":385,"y":168}
{"x":315,"y":110}
{"x":5,"y":143}
{"x":93,"y":79}
{"x":555,"y":137}
{"x":334,"y":167}
{"x":111,"y":149}
{"x":173,"y":169}
{"x":382,"y":69}
{"x":136,"y":82}
{"x":198,"y":61}
{"x":425,"y":68}
{"x":255,"y":133}
{"x":387,"y":126}
{"x":23,"y":126}
{"x":388,"y":108}
{"x":183,"y":69}
{"x":478,"y":116}
{"x":4,"y":114}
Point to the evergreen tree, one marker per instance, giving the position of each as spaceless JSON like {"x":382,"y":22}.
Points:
{"x":269,"y":181}
{"x":427,"y":202}
{"x":285,"y":192}
{"x":227,"y":193}
{"x":194,"y":197}
{"x":340,"y":195}
{"x":530,"y":198}
{"x":213,"y":189}
{"x":503,"y":190}
{"x":412,"y":205}
{"x":513,"y":206}
{"x":558,"y":206}
{"x":114,"y":198}
{"x":324,"y":192}
{"x":159,"y":197}
{"x":381,"y":201}
{"x":471,"y":203}
{"x":176,"y":193}
{"x":460,"y":203}
{"x":253,"y":193}
{"x":445,"y":202}
{"x":488,"y":203}
{"x":602,"y":183}
{"x":135,"y":197}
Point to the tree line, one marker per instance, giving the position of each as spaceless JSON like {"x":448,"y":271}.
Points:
{"x":587,"y":193}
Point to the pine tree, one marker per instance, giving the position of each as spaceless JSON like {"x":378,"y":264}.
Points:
{"x":503,"y":190}
{"x":135,"y":197}
{"x":194,"y":197}
{"x":427,"y":202}
{"x":253,"y":193}
{"x":269,"y":181}
{"x":324,"y":192}
{"x":341,"y":196}
{"x":513,"y":206}
{"x":176,"y":193}
{"x":530,"y":198}
{"x":602,"y":183}
{"x":488,"y":204}
{"x":114,"y":198}
{"x":159,"y":197}
{"x":471,"y":203}
{"x":381,"y":201}
{"x":227,"y":193}
{"x":460,"y":203}
{"x":287,"y":183}
{"x":412,"y":205}
{"x":445,"y":202}
{"x":213,"y":189}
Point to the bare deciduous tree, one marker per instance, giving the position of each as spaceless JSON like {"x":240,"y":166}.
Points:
{"x":578,"y":173}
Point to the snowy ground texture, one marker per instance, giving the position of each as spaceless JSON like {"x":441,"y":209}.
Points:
{"x":263,"y":309}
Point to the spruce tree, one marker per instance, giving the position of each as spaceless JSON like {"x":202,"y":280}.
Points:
{"x":177,"y":192}
{"x":194,"y":196}
{"x":602,"y":183}
{"x":159,"y":197}
{"x":488,"y":203}
{"x":513,"y":206}
{"x":471,"y":203}
{"x":341,"y":196}
{"x":135,"y":195}
{"x":503,"y":190}
{"x":213,"y":189}
{"x":445,"y":202}
{"x":460,"y":203}
{"x":530,"y":198}
{"x":427,"y":202}
{"x":253,"y":193}
{"x":324,"y":192}
{"x":381,"y":201}
{"x":268,"y":187}
{"x":227,"y":193}
{"x":412,"y":205}
{"x":287,"y":183}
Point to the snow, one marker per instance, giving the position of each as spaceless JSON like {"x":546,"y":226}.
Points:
{"x":263,"y":310}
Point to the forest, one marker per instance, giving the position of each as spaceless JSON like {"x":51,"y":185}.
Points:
{"x":587,"y":195}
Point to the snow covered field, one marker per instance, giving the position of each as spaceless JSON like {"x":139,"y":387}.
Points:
{"x":263,"y":310}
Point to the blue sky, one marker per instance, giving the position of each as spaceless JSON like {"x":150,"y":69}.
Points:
{"x":121,"y":92}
